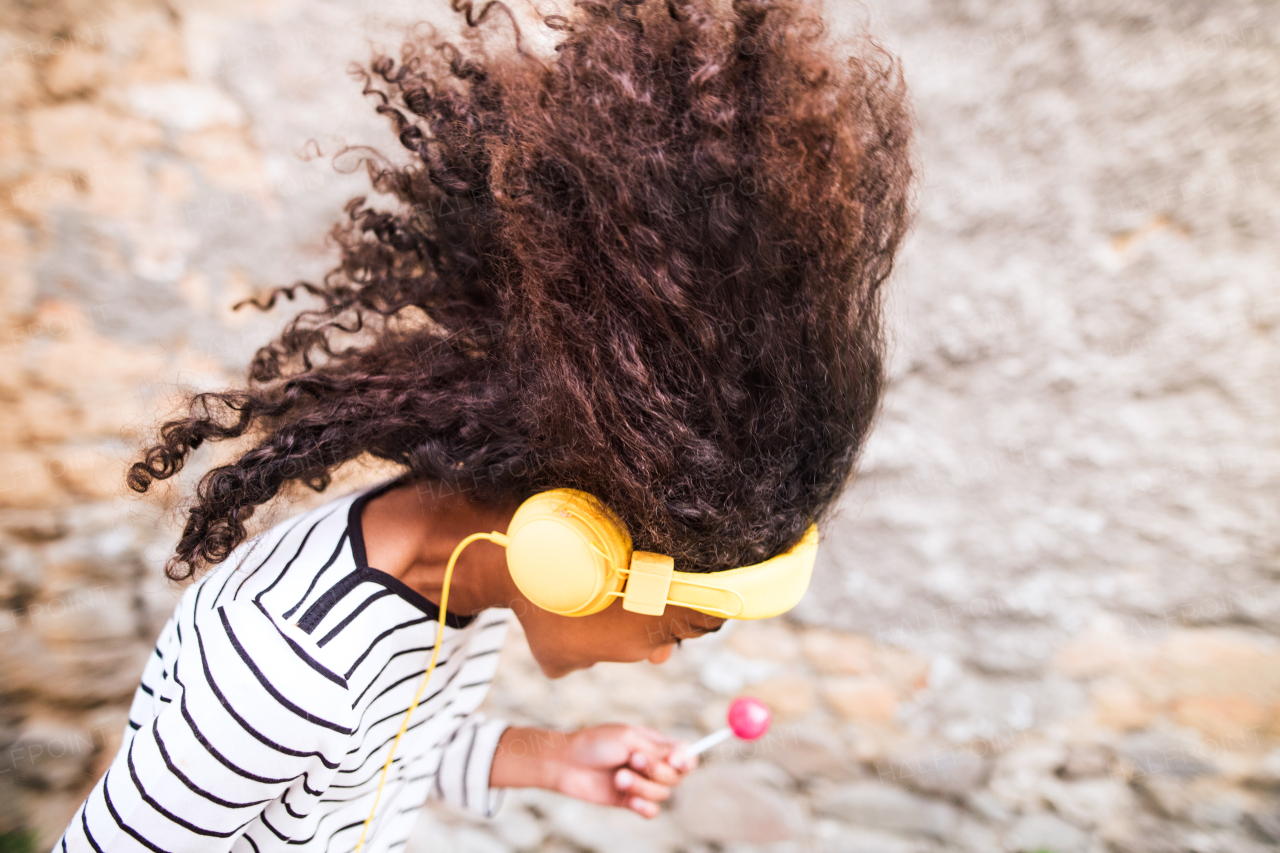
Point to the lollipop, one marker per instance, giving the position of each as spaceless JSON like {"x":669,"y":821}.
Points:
{"x":748,"y":719}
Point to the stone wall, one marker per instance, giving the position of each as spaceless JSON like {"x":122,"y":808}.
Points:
{"x":1047,"y":616}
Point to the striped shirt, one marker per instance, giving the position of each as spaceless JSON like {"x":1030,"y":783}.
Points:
{"x":267,"y":710}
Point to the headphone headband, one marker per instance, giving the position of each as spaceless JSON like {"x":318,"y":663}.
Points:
{"x":759,"y":591}
{"x":568,"y":553}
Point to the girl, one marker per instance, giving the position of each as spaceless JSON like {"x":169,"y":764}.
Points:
{"x":647,"y":270}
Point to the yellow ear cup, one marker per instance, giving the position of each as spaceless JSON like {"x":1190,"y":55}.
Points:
{"x":565,"y":552}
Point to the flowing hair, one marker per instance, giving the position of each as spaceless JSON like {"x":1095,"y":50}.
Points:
{"x":649,"y":267}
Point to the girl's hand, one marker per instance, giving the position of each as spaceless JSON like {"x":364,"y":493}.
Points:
{"x":619,"y":765}
{"x":614,"y":765}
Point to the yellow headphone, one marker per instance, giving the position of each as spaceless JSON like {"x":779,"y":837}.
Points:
{"x":570,"y":554}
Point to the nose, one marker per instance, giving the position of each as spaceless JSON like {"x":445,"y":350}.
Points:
{"x":662,"y":653}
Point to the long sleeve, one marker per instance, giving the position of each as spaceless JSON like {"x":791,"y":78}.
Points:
{"x":463,"y":776}
{"x":249,"y":714}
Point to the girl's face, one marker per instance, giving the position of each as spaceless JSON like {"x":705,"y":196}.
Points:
{"x":562,"y":644}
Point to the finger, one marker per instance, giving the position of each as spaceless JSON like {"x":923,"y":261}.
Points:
{"x":653,"y":753}
{"x":648,"y":741}
{"x":595,"y":787}
{"x":681,"y":760}
{"x":642,"y":807}
{"x":638,"y":786}
{"x":657,"y":770}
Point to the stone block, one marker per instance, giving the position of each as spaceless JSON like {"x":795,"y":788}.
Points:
{"x":906,"y":671}
{"x":611,"y":830}
{"x":853,"y":839}
{"x":48,"y":813}
{"x":789,"y":697}
{"x":21,"y":580}
{"x":26,"y":481}
{"x":52,"y":754}
{"x":861,"y":698}
{"x":95,"y":552}
{"x":21,"y":88}
{"x":107,"y":726}
{"x":879,"y":806}
{"x":1265,"y":824}
{"x":1094,"y":654}
{"x":725,"y":672}
{"x":88,"y":138}
{"x":76,"y":72}
{"x":467,"y":839}
{"x":1089,"y":803}
{"x":227,"y":160}
{"x":712,"y":716}
{"x":1164,"y":755}
{"x":952,"y":771}
{"x":1265,"y":772}
{"x":974,"y":836}
{"x":74,"y":675}
{"x":809,"y":753}
{"x":1225,"y":810}
{"x":1041,"y":832}
{"x":1021,"y":774}
{"x":985,"y":805}
{"x":1120,"y":707}
{"x":432,"y":835}
{"x":1142,"y":833}
{"x":722,"y":804}
{"x":1222,"y":717}
{"x":519,"y":829}
{"x":1217,"y":663}
{"x":837,"y":653}
{"x":185,"y":106}
{"x":1208,"y":802}
{"x":91,"y":368}
{"x":1086,"y":760}
{"x":764,"y":640}
{"x":11,"y":811}
{"x":40,"y":417}
{"x":797,"y":846}
{"x":96,"y":471}
{"x":154,"y":47}
{"x":89,"y":614}
{"x":34,"y":526}
{"x":14,"y":161}
{"x":17,"y":280}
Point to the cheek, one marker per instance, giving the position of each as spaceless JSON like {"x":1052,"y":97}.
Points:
{"x":558,"y":642}
{"x":555,"y":641}
{"x":644,"y":644}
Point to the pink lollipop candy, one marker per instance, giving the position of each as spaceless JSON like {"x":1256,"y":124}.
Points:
{"x":748,"y":719}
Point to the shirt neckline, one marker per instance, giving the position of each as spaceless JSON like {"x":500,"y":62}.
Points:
{"x":355,"y":530}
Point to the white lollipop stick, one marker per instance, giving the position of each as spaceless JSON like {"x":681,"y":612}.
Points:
{"x":703,"y":744}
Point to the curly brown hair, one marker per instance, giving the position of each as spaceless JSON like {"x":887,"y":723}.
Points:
{"x":649,"y":268}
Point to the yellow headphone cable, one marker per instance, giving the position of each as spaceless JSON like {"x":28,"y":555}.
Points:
{"x":435,"y":653}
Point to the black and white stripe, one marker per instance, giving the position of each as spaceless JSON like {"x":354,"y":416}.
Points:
{"x":266,"y":713}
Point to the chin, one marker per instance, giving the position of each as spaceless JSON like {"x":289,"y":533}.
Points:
{"x":560,"y":670}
